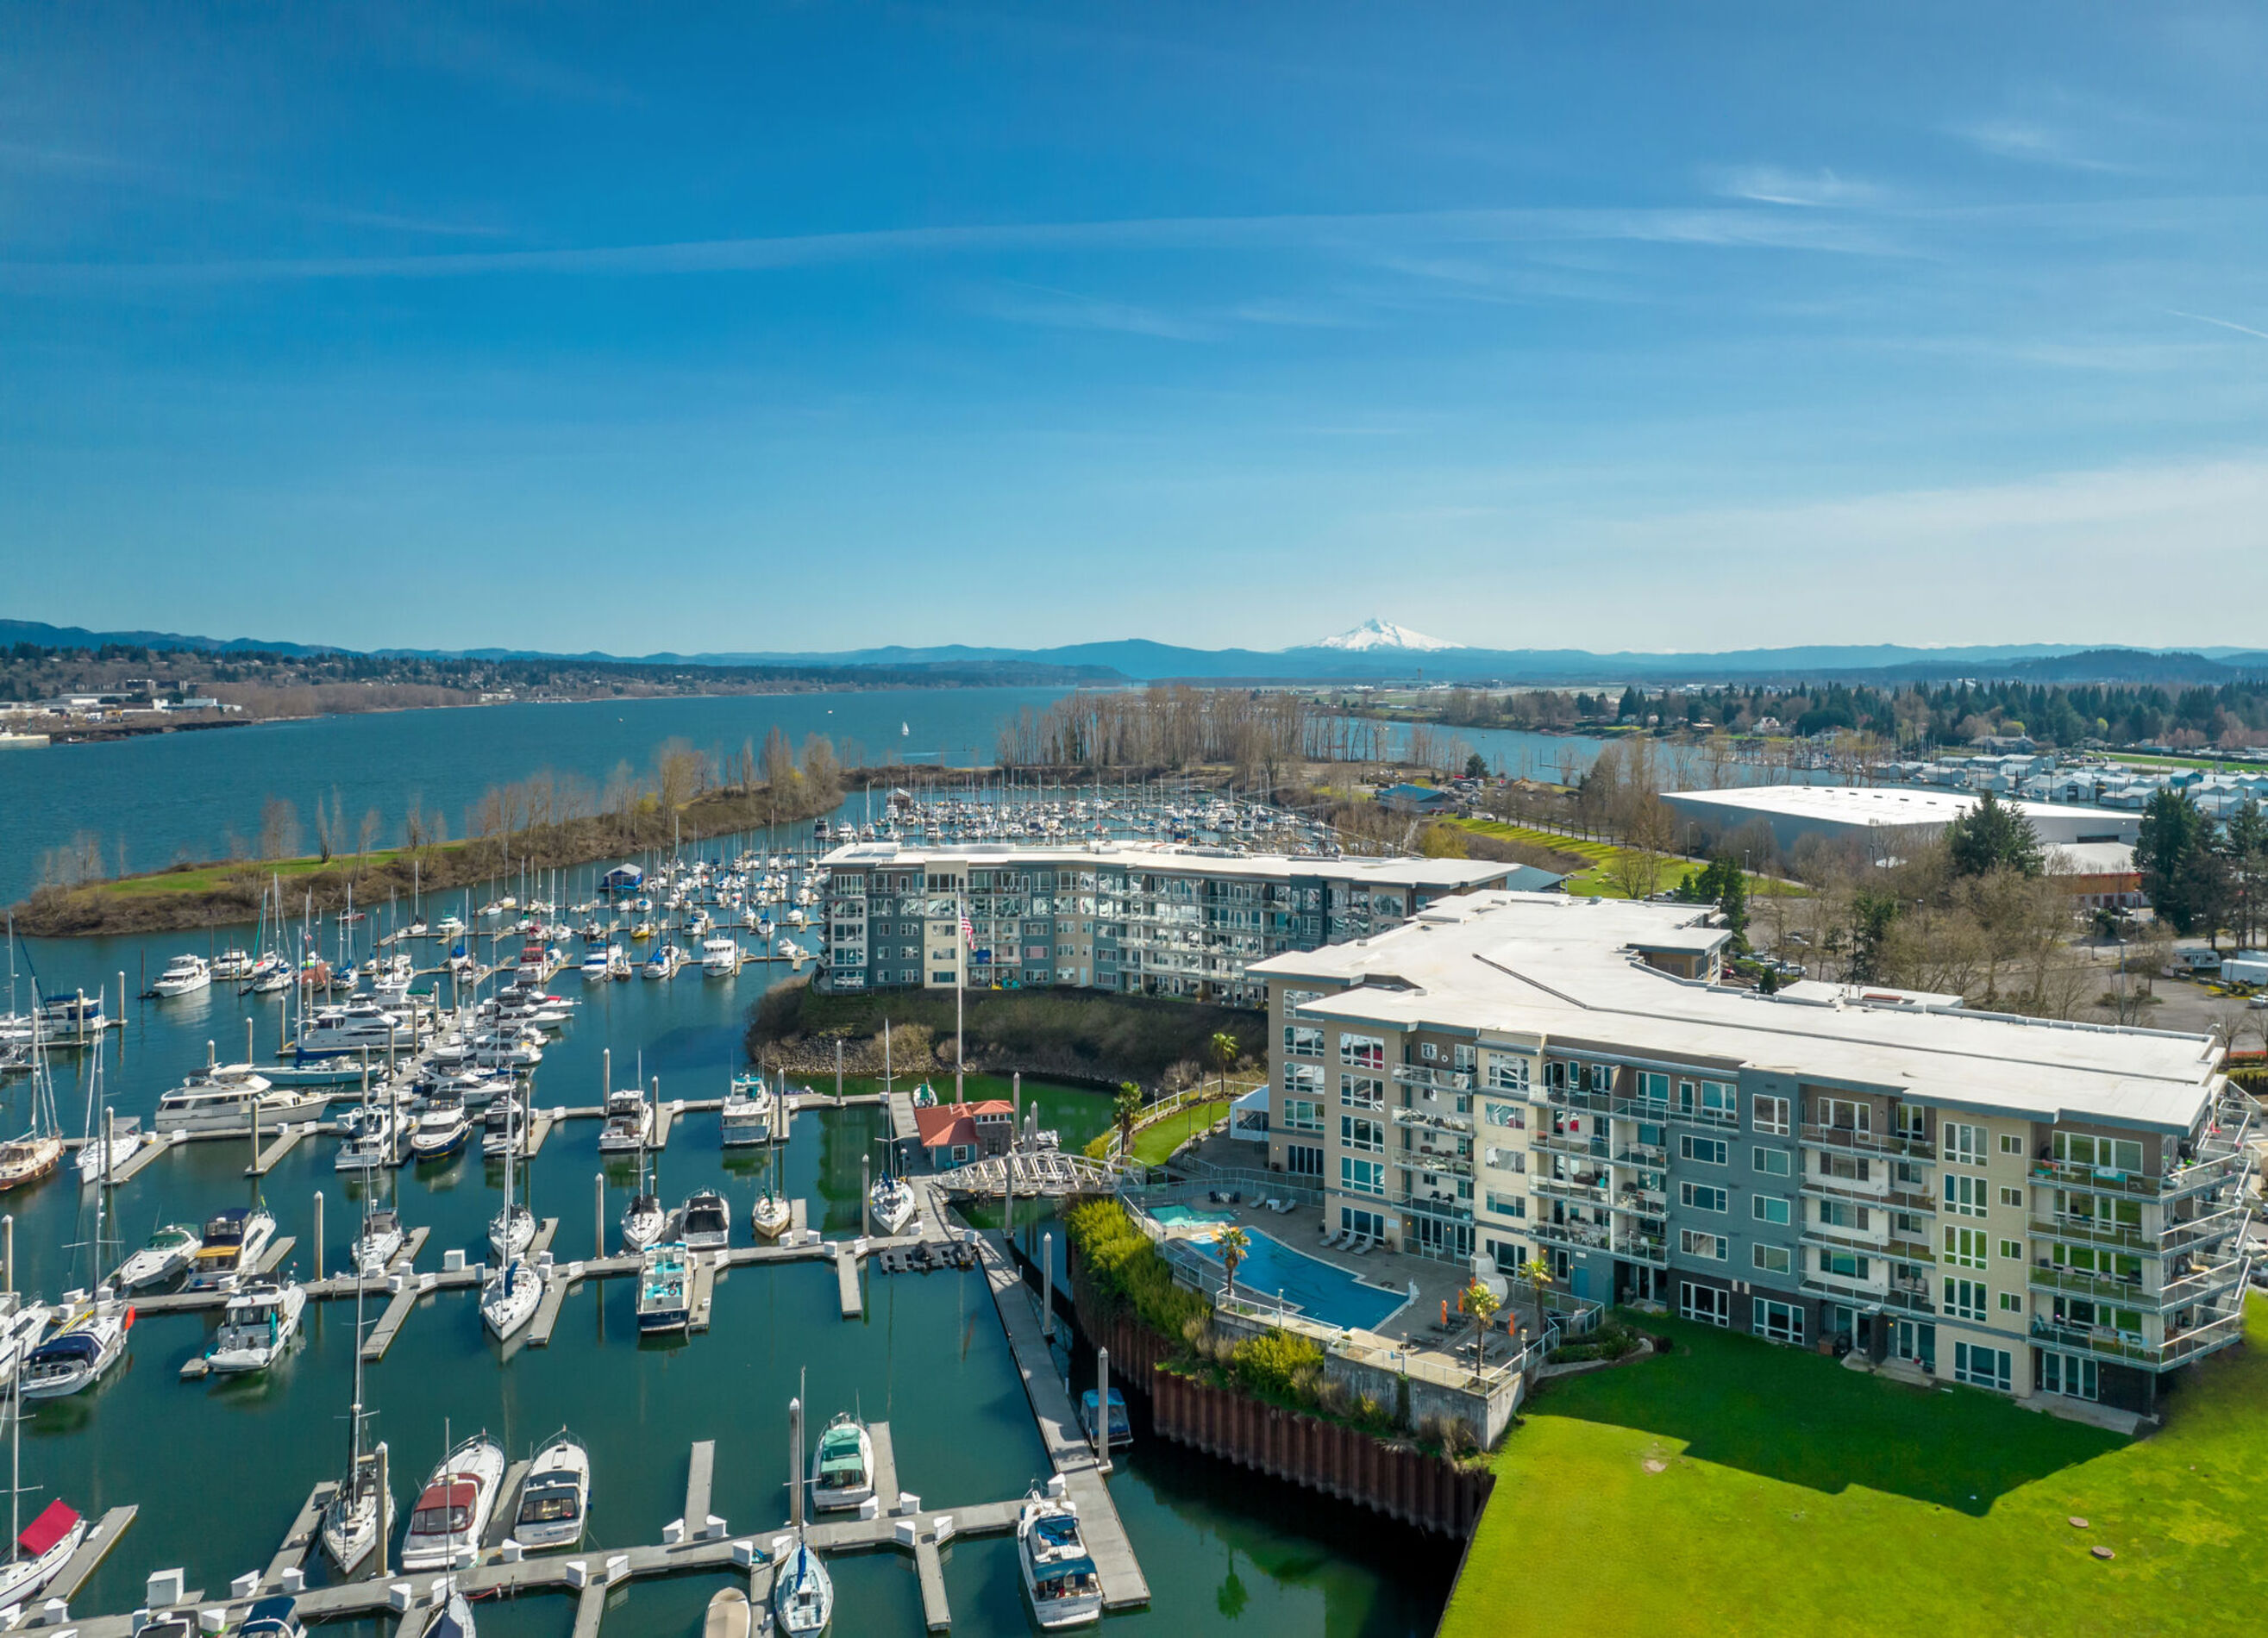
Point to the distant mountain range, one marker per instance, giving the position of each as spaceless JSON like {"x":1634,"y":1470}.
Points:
{"x":1376,"y":651}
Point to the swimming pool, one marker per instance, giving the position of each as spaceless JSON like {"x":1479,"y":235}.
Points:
{"x":1173,"y":1215}
{"x":1322,"y":1291}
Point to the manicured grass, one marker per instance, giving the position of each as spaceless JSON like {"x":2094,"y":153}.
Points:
{"x":1153,"y":1145}
{"x":1598,"y":880}
{"x":1798,"y":1496}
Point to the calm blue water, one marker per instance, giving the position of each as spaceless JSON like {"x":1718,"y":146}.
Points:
{"x":170,"y":797}
{"x":1320,"y":1290}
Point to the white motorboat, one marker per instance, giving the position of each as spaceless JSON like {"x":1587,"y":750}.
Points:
{"x":233,"y":963}
{"x":665,"y":1291}
{"x":803,"y":1594}
{"x":510,"y":1298}
{"x":770,"y":1216}
{"x":665,"y":961}
{"x":184,"y":975}
{"x":101,"y":1155}
{"x":224,"y":1098}
{"x":256,"y":1327}
{"x":593,"y":965}
{"x":720,"y":956}
{"x":379,"y":1242}
{"x":843,"y":1467}
{"x":441,"y":1130}
{"x":170,"y":1252}
{"x":453,"y":1510}
{"x":729,"y":1615}
{"x":360,"y":1026}
{"x":448,"y":927}
{"x":641,"y":1222}
{"x":1059,"y":1574}
{"x":79,"y":1354}
{"x":555,"y":1498}
{"x":893,"y":1205}
{"x":234,"y":1239}
{"x":376,"y":1137}
{"x":630,"y":1123}
{"x":747,"y":1114}
{"x":705,"y":1222}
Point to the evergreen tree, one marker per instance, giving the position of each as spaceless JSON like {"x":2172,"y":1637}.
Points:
{"x":1993,"y":836}
{"x":2174,"y":831}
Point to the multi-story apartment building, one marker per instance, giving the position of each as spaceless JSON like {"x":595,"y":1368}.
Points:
{"x":1138,"y":919}
{"x":2033,"y":1208}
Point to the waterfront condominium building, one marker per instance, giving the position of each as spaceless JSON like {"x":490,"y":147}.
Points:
{"x":1141,"y":919}
{"x":2028,"y":1207}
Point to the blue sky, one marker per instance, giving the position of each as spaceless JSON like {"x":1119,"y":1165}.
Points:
{"x":1676,"y":328}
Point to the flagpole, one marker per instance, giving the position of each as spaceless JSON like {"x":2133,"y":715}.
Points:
{"x":961,"y":989}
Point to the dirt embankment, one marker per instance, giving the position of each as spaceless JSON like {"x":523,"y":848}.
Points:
{"x":1063,"y":1034}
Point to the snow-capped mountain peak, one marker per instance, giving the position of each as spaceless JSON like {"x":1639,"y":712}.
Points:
{"x":1381,"y":634}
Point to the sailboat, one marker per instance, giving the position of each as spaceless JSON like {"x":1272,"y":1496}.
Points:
{"x":351,"y":1521}
{"x":512,"y":1230}
{"x":803,"y":1593}
{"x":42,"y":1550}
{"x":28,"y":1158}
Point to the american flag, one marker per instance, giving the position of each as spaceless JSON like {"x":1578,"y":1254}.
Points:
{"x":968,"y":932}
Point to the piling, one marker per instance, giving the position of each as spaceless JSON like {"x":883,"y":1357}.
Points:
{"x":1048,"y":1286}
{"x":1102,"y":1409}
{"x":865,"y":1197}
{"x":319,"y":1234}
{"x":598,"y":1215}
{"x":8,"y":1252}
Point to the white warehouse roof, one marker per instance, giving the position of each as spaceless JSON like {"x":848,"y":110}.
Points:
{"x":1792,"y":810}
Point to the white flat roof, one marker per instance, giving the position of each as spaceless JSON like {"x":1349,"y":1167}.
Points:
{"x":1882,"y":805}
{"x":1440,"y":873}
{"x":1533,"y":969}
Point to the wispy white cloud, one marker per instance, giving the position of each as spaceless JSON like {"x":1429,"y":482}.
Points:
{"x":1069,"y":309}
{"x":2033,"y":142}
{"x":2226,"y":324}
{"x":1775,"y":185}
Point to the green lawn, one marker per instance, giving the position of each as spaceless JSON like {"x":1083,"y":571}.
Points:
{"x":1154,"y":1144}
{"x":1797,"y":1496}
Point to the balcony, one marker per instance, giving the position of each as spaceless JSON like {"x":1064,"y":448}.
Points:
{"x":2092,"y":1231}
{"x":1582,"y":1194}
{"x":1835,"y":1237}
{"x":1571,"y":1143}
{"x":1449,"y":1207}
{"x":2217,"y":1332}
{"x":2200,"y":1279}
{"x":1651,"y":1249}
{"x":1445,"y":1162}
{"x":2209,"y":1172}
{"x":1651,"y":1154}
{"x":1691,"y":1114}
{"x":2190,"y":1233}
{"x":1583,"y":1236}
{"x":1844,"y":1288}
{"x":1574,"y":1098}
{"x":1427,"y":1120}
{"x":1909,"y":1297}
{"x":1434,"y":1076}
{"x":1645,"y":1202}
{"x":1846,"y":1140}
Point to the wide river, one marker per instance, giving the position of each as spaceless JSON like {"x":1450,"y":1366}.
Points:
{"x":219,"y":1467}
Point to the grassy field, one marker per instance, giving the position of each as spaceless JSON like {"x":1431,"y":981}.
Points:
{"x":1598,"y":880}
{"x":1737,"y":1486}
{"x":1153,"y":1144}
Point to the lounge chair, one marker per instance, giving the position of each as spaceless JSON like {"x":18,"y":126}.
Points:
{"x":1361,"y":1245}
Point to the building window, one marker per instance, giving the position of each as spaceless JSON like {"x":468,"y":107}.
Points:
{"x":2011,"y":1197}
{"x":1510,"y":1115}
{"x":2076,"y":1379}
{"x":1504,"y":1159}
{"x":1844,"y":1114}
{"x":1720,"y":1102}
{"x":1980,"y":1366}
{"x":1707,"y":1303}
{"x":1303,"y":1160}
{"x":1964,"y":1144}
{"x":1773,"y":1162}
{"x":1362,"y":1177}
{"x":1701,"y":1197}
{"x":1507,"y":1074}
{"x":1653,"y":1087}
{"x":2011,"y":1251}
{"x":2011,"y":1144}
{"x":1965,"y":1248}
{"x":2107,"y":1154}
{"x":1367,"y":1135}
{"x":1772,"y":1258}
{"x":1775,"y":1322}
{"x":1964,"y":1299}
{"x":1300,"y":1042}
{"x":1769,"y":1115}
{"x":1770,"y":1208}
{"x":2012,"y":1302}
{"x":1370,"y":1222}
{"x":1965,"y":1197}
{"x":1359,"y":1091}
{"x":1302,"y":1115}
{"x":1505,"y":1205}
{"x":1364,"y":1051}
{"x":1709,"y":1151}
{"x":1844,"y":1265}
{"x":1508,"y":1255}
{"x":1697,"y":1244}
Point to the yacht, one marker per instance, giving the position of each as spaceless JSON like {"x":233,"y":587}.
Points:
{"x":706,"y":1223}
{"x":79,"y":1354}
{"x":448,"y":927}
{"x":1059,"y":1575}
{"x":893,"y":1205}
{"x":102,"y":1155}
{"x":803,"y":1594}
{"x":555,"y":1498}
{"x":729,"y":1615}
{"x":184,"y":975}
{"x":441,"y":1127}
{"x":169,"y":1253}
{"x":618,"y":962}
{"x":665,"y":1291}
{"x":770,"y":1216}
{"x":453,"y":1510}
{"x":233,"y":963}
{"x":747,"y":1114}
{"x":42,"y":1548}
{"x":64,"y":1017}
{"x":593,"y":965}
{"x":257,"y":1326}
{"x":26,"y":1159}
{"x":665,"y":961}
{"x":223,"y":1097}
{"x":720,"y":957}
{"x":233,"y":1242}
{"x":353,"y":1028}
{"x":379,"y":1242}
{"x":843,"y":1467}
{"x":376,"y":1137}
{"x":510,"y":1297}
{"x":630,"y":1123}
{"x":274,"y":1617}
{"x":641,"y":1222}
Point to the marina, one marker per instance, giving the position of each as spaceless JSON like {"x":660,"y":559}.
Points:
{"x":907,"y":1348}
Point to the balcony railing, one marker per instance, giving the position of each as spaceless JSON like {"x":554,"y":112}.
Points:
{"x":1646,"y":1202}
{"x":1572,"y":1143}
{"x":1652,"y":1155}
{"x":1435,"y":1160}
{"x":2187,"y":1179}
{"x":1431,"y":1121}
{"x":1909,"y":1297}
{"x":1578,"y":1234}
{"x":2190,"y":1233}
{"x":1643,"y":1248}
{"x":1836,"y":1237}
{"x":1649,"y":1110}
{"x":1592,"y":1193}
{"x":1853,"y":1142}
{"x":2093,"y":1232}
{"x":1843,"y":1288}
{"x":2191,"y":1285}
{"x":1433,"y":1074}
{"x":2104,"y":1343}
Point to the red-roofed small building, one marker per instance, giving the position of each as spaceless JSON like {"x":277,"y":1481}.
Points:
{"x":954,"y":1134}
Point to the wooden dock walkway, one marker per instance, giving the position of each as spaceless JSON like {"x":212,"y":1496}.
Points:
{"x":92,"y":1552}
{"x":700,"y":1477}
{"x":507,"y":1508}
{"x":124,"y":1172}
{"x":846,"y":1280}
{"x":539,"y":1127}
{"x":554,"y":1297}
{"x":705,"y":1267}
{"x":286,"y":1141}
{"x":929,"y":1570}
{"x":300,"y":1539}
{"x":589,"y":1610}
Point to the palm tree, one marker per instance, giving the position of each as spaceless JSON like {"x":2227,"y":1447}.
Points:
{"x":1481,"y":1303}
{"x":1536,"y":1275}
{"x":1125,"y":1107}
{"x":1234,"y":1244}
{"x":1225,"y":1050}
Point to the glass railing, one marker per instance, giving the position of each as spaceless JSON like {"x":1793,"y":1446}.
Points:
{"x":2217,"y":1332}
{"x":2091,"y":1232}
{"x":1915,"y":1146}
{"x":1432,"y":1074}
